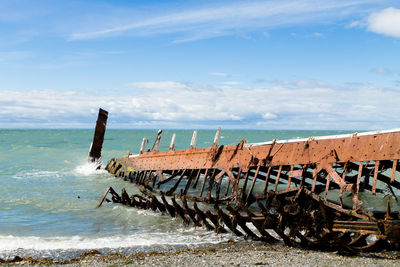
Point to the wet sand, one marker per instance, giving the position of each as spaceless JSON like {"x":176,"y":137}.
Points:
{"x":243,"y":253}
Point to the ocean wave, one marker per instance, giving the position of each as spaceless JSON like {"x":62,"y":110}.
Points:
{"x":181,"y":237}
{"x":89,"y":169}
{"x":35,"y":174}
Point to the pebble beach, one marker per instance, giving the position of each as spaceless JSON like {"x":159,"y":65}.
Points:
{"x":243,"y":253}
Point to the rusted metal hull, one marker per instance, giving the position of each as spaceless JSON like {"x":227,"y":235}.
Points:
{"x":294,"y":188}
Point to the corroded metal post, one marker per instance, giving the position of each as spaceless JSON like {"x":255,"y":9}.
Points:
{"x":172,"y":144}
{"x":157,"y":146}
{"x":144,"y":142}
{"x":216,"y":138}
{"x":194,"y":139}
{"x":157,"y":140}
{"x":98,"y":138}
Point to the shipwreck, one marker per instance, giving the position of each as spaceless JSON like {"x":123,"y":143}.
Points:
{"x":305,"y":192}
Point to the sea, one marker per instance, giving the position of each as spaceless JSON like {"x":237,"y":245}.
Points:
{"x":49,"y":193}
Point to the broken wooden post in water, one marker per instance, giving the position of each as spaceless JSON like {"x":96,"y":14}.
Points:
{"x":98,"y":138}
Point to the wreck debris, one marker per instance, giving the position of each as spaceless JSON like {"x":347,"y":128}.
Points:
{"x":308,"y":191}
{"x":98,"y":138}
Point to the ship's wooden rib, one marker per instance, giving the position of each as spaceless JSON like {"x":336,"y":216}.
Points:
{"x":295,"y":188}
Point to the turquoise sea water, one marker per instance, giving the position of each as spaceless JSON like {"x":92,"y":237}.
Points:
{"x":48,"y":193}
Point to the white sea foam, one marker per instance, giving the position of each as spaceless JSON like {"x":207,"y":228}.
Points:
{"x":184,"y":237}
{"x":35,"y":174}
{"x":88,"y":169}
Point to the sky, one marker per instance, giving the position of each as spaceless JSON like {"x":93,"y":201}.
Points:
{"x":281,"y":64}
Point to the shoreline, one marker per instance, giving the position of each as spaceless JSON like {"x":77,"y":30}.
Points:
{"x":242,"y":253}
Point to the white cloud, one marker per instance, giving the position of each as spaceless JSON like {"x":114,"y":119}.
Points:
{"x":231,"y":83}
{"x":220,"y":74}
{"x":172,"y":105}
{"x":381,"y":70}
{"x":15,"y":55}
{"x":365,"y":107}
{"x":356,"y":24}
{"x":317,"y":34}
{"x":300,"y":83}
{"x":229,"y":18}
{"x":269,"y":116}
{"x":385,"y":22}
{"x":160,"y":85}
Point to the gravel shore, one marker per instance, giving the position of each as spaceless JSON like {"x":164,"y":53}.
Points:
{"x":244,"y":253}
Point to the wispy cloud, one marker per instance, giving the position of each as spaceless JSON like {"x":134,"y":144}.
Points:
{"x":160,"y":85}
{"x":356,"y":24}
{"x":220,"y":74}
{"x":231,"y":83}
{"x":297,"y":83}
{"x":229,"y":18}
{"x":381,"y":70}
{"x":385,"y":22}
{"x":269,"y":116}
{"x":184,"y":105}
{"x":15,"y":55}
{"x":266,"y":35}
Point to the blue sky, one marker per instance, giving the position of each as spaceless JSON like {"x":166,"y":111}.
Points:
{"x":289,"y":64}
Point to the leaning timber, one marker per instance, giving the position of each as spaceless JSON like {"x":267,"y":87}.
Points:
{"x":98,"y":138}
{"x":306,"y":192}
